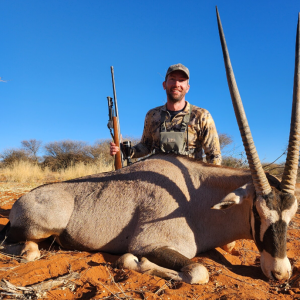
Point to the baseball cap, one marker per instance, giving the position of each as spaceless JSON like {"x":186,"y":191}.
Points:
{"x":178,"y":67}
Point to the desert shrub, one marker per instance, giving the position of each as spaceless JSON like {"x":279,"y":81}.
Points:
{"x":234,"y":162}
{"x":11,"y":156}
{"x":100,"y":152}
{"x":230,"y":155}
{"x":63,"y":154}
{"x":225,"y":140}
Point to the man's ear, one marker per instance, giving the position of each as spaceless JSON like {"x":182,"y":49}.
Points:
{"x":164,"y":85}
{"x":188,"y":88}
{"x":236,"y":197}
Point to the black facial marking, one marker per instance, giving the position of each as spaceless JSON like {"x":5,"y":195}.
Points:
{"x":257,"y":224}
{"x":288,"y":201}
{"x":274,"y":241}
{"x":279,"y":201}
{"x":272,"y":201}
{"x":285,"y":200}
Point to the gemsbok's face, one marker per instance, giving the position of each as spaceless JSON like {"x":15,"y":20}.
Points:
{"x":270,"y":218}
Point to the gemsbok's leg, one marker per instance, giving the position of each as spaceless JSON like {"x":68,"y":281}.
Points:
{"x":44,"y":212}
{"x":30,"y":251}
{"x":166,"y":263}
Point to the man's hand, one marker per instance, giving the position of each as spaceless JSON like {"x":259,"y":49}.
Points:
{"x":114,"y":149}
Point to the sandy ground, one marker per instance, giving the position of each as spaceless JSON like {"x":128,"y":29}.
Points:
{"x":61,"y":274}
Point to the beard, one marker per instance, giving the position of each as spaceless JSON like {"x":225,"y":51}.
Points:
{"x":175,"y":98}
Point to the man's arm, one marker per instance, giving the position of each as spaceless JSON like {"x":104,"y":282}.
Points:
{"x":210,"y":140}
{"x":144,"y":147}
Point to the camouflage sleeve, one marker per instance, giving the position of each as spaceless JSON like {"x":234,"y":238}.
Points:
{"x":144,"y":147}
{"x":210,"y":140}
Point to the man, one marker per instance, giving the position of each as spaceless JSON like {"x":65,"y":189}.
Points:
{"x":178,"y":126}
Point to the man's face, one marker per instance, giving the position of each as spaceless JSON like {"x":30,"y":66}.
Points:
{"x":176,"y":86}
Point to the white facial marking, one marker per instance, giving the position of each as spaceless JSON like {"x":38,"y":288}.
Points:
{"x":275,"y":267}
{"x":288,"y":214}
{"x":267,"y":215}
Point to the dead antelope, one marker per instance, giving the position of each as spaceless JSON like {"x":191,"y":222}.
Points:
{"x":159,"y":211}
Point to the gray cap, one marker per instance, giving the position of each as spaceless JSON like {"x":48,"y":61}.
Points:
{"x":178,"y":67}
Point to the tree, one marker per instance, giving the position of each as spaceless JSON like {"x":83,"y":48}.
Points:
{"x":32,"y":147}
{"x":11,"y":156}
{"x":100,"y":151}
{"x":62,"y":154}
{"x":230,"y":157}
{"x":225,"y":140}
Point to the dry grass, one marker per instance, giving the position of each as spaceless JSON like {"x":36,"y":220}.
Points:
{"x":29,"y":173}
{"x":80,"y":169}
{"x":24,"y":172}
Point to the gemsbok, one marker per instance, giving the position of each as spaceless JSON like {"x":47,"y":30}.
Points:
{"x":164,"y":210}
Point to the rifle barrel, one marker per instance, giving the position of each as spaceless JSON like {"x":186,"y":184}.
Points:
{"x":116,"y":108}
{"x":115,"y":95}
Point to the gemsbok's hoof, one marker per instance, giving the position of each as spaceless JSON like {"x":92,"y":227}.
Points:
{"x":30,"y":251}
{"x":194,"y":274}
{"x":127,"y":261}
{"x":229,"y":247}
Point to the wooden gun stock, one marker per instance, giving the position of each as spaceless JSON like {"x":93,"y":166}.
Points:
{"x":118,"y":158}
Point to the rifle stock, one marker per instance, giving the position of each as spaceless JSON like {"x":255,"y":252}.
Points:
{"x":118,"y":158}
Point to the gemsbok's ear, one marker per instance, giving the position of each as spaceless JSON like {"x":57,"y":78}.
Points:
{"x":236,"y":197}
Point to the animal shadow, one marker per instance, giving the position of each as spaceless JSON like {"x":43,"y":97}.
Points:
{"x":253,"y":272}
{"x":4,"y":213}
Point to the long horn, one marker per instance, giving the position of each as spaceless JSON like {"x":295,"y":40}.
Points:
{"x":259,"y":178}
{"x":291,"y":166}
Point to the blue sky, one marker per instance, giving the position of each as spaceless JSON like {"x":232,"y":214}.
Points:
{"x":56,"y":58}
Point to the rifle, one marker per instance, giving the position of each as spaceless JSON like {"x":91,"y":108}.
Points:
{"x":114,"y":123}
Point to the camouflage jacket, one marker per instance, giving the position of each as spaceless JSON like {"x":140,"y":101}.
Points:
{"x":202,"y":133}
